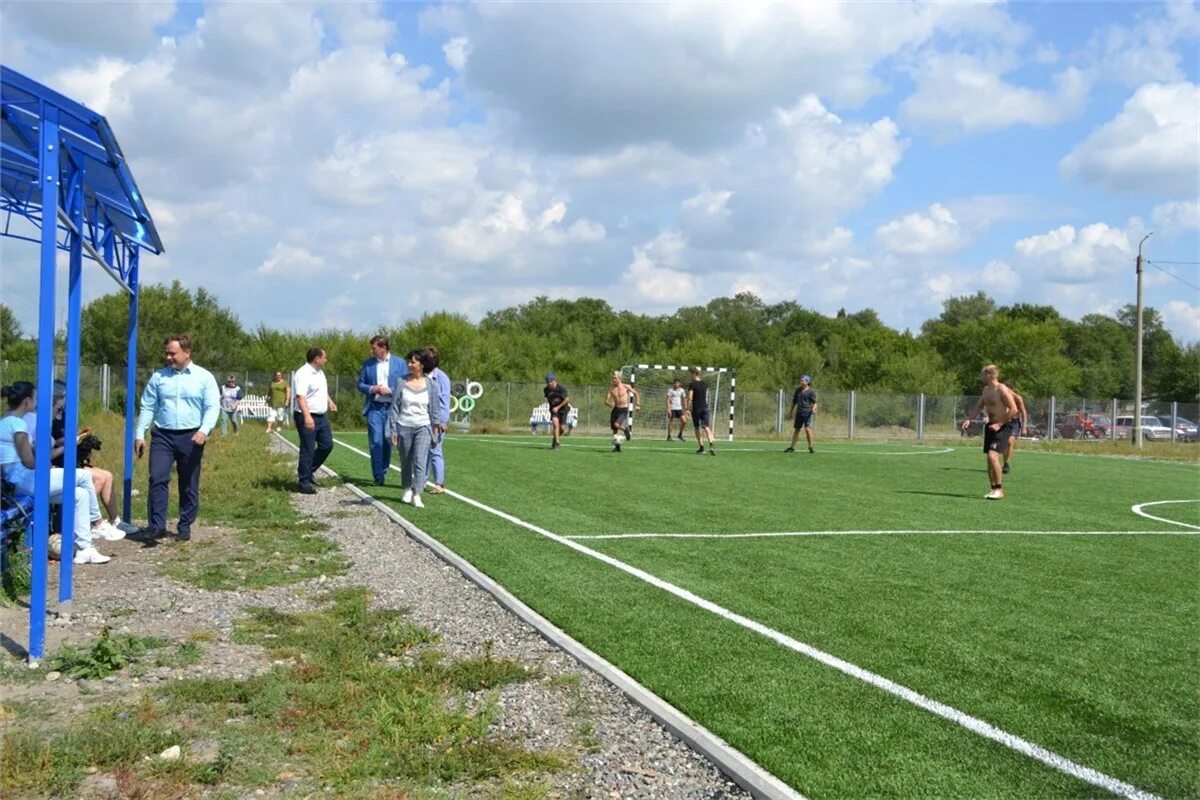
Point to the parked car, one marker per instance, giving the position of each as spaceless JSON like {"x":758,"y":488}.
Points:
{"x":1083,"y":426}
{"x":1152,"y":428}
{"x":1185,"y":430}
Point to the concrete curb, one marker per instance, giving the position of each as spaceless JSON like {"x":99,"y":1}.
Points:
{"x":741,"y":770}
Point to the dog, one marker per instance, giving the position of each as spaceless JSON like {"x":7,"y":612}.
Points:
{"x":88,"y":444}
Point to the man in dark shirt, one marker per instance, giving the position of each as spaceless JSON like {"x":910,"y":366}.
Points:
{"x":557,"y":400}
{"x":697,"y":403}
{"x":804,"y":406}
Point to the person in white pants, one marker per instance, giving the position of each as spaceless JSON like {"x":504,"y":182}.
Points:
{"x":17,"y":467}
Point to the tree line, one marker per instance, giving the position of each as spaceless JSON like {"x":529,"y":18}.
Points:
{"x":770,"y":345}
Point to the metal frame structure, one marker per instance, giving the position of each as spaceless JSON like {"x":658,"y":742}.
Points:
{"x":633,"y":368}
{"x":63,"y":174}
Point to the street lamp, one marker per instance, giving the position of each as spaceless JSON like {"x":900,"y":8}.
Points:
{"x":1137,"y":364}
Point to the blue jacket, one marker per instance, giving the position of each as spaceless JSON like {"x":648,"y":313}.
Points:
{"x":397,"y":371}
{"x":443,"y":393}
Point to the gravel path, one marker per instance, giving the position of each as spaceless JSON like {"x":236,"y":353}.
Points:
{"x":621,"y":751}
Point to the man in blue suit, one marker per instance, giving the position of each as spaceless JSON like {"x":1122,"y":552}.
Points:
{"x":378,"y":381}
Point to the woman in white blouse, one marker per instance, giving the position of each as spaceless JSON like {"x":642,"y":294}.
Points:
{"x":410,"y":424}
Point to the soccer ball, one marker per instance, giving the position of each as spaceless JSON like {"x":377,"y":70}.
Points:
{"x":55,"y":545}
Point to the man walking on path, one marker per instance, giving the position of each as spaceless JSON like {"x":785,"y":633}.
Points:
{"x":804,"y":406}
{"x":181,"y":402}
{"x":1001,"y":407}
{"x":377,"y":380}
{"x":618,"y":398}
{"x":311,"y":402}
{"x":697,"y":403}
{"x":281,"y":399}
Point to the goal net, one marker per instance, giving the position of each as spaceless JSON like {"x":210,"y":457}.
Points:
{"x":652,"y":382}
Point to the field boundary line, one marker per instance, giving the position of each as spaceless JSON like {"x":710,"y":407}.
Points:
{"x":514,"y":441}
{"x":732,"y":762}
{"x":798,"y":534}
{"x":1137,"y":509}
{"x":949,"y":713}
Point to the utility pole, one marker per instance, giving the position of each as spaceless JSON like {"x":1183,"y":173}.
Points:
{"x":1137,"y":366}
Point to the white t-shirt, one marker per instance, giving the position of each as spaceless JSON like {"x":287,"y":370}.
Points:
{"x":414,"y":406}
{"x":309,"y":383}
{"x":383,"y":369}
{"x":675,"y":398}
{"x":10,"y":463}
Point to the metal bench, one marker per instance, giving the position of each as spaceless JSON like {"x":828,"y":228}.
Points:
{"x":16,"y":519}
{"x":541,"y":417}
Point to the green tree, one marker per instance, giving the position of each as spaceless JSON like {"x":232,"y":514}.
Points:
{"x":218,"y":341}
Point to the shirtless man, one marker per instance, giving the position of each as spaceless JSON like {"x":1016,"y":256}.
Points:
{"x":618,"y":400}
{"x":1001,"y":407}
{"x":1019,"y":423}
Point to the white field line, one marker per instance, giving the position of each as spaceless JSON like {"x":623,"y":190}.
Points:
{"x":973,"y":724}
{"x":791,"y":534}
{"x":598,"y":442}
{"x":1138,"y":510}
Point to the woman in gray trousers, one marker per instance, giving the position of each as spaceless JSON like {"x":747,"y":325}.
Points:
{"x":410,"y":424}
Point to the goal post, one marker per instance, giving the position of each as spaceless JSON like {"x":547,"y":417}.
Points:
{"x":653,"y":380}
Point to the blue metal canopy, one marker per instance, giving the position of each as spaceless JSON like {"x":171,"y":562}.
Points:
{"x":115,"y":218}
{"x":63,"y":174}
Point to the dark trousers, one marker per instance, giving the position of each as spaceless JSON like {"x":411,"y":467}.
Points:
{"x":315,"y":446}
{"x":379,"y":445}
{"x":167,"y":449}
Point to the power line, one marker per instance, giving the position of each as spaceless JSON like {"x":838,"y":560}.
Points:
{"x":1155,"y":264}
{"x":1183,"y":263}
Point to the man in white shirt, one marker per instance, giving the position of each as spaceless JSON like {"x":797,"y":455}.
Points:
{"x":675,"y":397}
{"x":310,"y":403}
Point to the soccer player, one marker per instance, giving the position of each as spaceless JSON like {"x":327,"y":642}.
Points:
{"x":675,"y":407}
{"x":1019,"y":425}
{"x":804,"y":407}
{"x":558,"y":401}
{"x":697,"y":403}
{"x":1001,"y":407}
{"x":617,"y":399}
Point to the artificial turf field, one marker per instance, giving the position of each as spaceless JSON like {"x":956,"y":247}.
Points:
{"x":1058,"y":615}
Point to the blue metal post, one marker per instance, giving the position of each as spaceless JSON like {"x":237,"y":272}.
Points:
{"x":66,"y":565}
{"x":48,"y":167}
{"x":130,"y":387}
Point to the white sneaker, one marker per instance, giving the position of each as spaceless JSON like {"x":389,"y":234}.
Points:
{"x":416,"y":501}
{"x":107,"y":531}
{"x":90,"y":555}
{"x":408,"y":496}
{"x":995,"y":494}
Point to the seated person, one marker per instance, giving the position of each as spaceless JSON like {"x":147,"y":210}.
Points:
{"x":102,"y":479}
{"x":17,"y":466}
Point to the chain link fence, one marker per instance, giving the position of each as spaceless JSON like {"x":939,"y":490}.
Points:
{"x":507,"y":407}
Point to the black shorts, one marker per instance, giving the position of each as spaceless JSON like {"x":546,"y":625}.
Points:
{"x":996,"y":441}
{"x":562,"y":413}
{"x":700,"y":418}
{"x":676,"y":413}
{"x":1015,"y":424}
{"x":803,"y":420}
{"x":618,"y":416}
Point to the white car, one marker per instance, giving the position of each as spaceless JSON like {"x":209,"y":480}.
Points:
{"x":1152,"y":428}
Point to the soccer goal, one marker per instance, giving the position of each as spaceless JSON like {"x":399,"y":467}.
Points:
{"x":653,"y":380}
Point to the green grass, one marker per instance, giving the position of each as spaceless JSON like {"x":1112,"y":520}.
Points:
{"x":363,"y":704}
{"x":1086,"y":645}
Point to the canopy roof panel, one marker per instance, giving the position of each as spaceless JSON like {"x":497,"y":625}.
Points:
{"x":112,"y":203}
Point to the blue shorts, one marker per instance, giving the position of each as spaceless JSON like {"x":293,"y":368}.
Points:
{"x":700,"y":419}
{"x":804,"y":420}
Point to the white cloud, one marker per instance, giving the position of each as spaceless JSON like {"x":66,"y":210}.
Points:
{"x":1147,"y":51}
{"x":959,"y":94}
{"x":1183,"y":215}
{"x":1150,"y":146}
{"x":1068,"y":255}
{"x":293,"y":261}
{"x":920,"y":234}
{"x":1183,"y":318}
{"x":597,"y":77}
{"x":655,"y":274}
{"x":87,"y":29}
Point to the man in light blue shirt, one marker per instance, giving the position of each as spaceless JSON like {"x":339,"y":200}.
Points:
{"x":182,"y":402}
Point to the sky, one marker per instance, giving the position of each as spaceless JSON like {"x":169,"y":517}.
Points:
{"x":355,"y":165}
